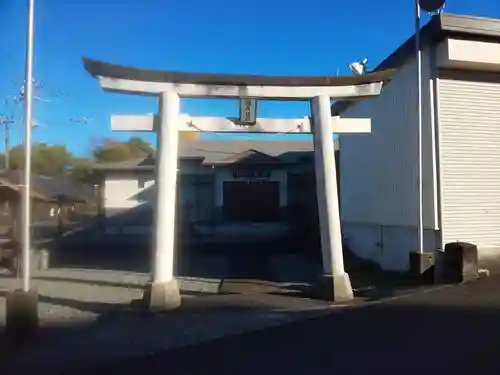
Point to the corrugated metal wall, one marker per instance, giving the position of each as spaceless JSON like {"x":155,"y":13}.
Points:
{"x":469,"y":124}
{"x":379,"y":170}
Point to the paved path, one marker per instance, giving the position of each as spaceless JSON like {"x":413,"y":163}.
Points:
{"x":85,"y":315}
{"x":452,"y":330}
{"x":79,"y":295}
{"x":133,"y":333}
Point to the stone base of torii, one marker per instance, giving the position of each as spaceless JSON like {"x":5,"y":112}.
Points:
{"x":162,"y":293}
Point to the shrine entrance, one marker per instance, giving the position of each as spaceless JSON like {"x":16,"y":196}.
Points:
{"x":251,"y":201}
{"x":163,"y":291}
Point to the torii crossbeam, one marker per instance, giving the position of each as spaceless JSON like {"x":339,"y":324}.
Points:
{"x":151,"y":123}
{"x":163,"y":291}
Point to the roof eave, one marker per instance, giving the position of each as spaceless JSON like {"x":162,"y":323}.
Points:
{"x":122,"y":169}
{"x":439,"y":27}
{"x":243,"y":163}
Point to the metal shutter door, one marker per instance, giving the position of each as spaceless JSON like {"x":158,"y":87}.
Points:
{"x":469,"y":124}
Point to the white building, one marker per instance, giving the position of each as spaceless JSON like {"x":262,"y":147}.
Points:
{"x":221,"y":184}
{"x":461,"y":148}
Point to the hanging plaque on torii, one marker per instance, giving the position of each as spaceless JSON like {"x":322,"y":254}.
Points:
{"x":248,"y":111}
{"x":163,"y":292}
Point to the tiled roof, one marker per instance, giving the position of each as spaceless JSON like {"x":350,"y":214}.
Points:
{"x":252,"y":156}
{"x":50,"y":187}
{"x":218,"y":152}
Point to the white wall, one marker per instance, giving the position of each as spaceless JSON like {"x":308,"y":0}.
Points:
{"x":120,"y":191}
{"x":469,"y":54}
{"x":379,"y":171}
{"x":389,"y":246}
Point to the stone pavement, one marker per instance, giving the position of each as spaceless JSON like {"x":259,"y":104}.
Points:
{"x":449,"y":329}
{"x":74,"y":296}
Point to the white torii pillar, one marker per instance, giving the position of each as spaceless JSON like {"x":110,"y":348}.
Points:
{"x":335,"y":282}
{"x":163,"y":291}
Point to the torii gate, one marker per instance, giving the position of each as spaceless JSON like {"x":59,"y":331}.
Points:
{"x":162,"y":293}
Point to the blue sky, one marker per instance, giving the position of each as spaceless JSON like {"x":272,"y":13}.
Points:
{"x":260,"y":36}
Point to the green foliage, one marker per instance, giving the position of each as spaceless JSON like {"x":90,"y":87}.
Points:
{"x":80,"y":168}
{"x":57,"y":160}
{"x":50,"y":160}
{"x":114,"y":151}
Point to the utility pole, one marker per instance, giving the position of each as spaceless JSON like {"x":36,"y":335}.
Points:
{"x":28,"y":118}
{"x":22,"y":304}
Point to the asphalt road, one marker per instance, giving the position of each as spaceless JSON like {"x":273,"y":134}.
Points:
{"x":451,"y":330}
{"x":454,"y":330}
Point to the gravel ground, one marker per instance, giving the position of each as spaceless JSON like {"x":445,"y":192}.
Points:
{"x":76,"y":295}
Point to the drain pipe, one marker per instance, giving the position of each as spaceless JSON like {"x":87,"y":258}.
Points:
{"x":435,"y":113}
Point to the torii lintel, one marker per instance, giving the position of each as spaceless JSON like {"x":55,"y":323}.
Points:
{"x":119,"y":78}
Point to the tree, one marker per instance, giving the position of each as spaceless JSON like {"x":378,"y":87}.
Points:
{"x":110,"y":150}
{"x":57,"y":160}
{"x":49,"y":160}
{"x":80,"y":168}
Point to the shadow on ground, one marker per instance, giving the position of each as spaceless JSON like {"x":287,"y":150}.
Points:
{"x":275,"y":267}
{"x":121,"y":329}
{"x":452,"y":329}
{"x":275,"y":260}
{"x":387,"y":339}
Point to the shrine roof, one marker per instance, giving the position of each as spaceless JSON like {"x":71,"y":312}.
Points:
{"x":226,"y":152}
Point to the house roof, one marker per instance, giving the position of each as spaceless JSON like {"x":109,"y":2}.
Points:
{"x":251,"y":157}
{"x":438,"y":28}
{"x":15,"y":190}
{"x":224,"y":152}
{"x":49,"y":188}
